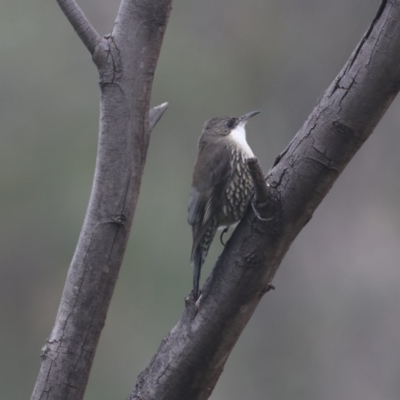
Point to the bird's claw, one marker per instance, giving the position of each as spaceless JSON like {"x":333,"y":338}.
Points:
{"x":221,"y":238}
{"x":258,"y":214}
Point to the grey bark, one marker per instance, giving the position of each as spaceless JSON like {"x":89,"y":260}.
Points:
{"x":126,"y":60}
{"x":192,"y":356}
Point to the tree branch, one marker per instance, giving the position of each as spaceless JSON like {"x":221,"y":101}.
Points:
{"x":81,"y":24}
{"x":192,"y":356}
{"x":126,"y":64}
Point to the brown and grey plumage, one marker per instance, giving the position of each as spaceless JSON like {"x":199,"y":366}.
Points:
{"x":222,"y":185}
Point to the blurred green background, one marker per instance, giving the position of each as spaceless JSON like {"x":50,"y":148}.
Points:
{"x":331,"y":328}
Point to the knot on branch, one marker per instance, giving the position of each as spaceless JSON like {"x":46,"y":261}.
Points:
{"x":107,"y":58}
{"x":342,"y":128}
{"x":119,"y":219}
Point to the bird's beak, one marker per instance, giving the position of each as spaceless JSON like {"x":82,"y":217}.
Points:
{"x":243,"y":119}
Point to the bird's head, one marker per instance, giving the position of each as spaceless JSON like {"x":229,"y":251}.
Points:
{"x":225,"y":127}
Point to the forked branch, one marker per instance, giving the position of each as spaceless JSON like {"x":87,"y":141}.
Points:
{"x":126,"y":61}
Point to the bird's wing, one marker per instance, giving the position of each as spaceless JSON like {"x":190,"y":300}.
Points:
{"x":208,"y":188}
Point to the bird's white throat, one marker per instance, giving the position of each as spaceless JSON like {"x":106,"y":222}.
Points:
{"x":238,"y":135}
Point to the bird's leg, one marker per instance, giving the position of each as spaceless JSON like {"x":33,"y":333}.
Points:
{"x":258,"y":214}
{"x":221,"y":238}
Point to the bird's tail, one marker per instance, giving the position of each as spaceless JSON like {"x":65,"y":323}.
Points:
{"x":199,"y":255}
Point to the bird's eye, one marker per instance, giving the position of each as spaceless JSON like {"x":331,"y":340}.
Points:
{"x":230,"y":123}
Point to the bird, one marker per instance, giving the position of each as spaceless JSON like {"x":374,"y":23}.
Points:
{"x":221,"y":187}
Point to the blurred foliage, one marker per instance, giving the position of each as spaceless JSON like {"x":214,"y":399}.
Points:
{"x":330,"y":330}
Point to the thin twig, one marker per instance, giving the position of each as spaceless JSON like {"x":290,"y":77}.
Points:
{"x":155,"y":115}
{"x":81,"y":24}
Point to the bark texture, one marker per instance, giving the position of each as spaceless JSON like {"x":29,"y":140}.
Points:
{"x":126,"y":60}
{"x":192,"y":356}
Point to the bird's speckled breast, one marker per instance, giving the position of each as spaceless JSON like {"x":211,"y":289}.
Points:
{"x":238,"y":192}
